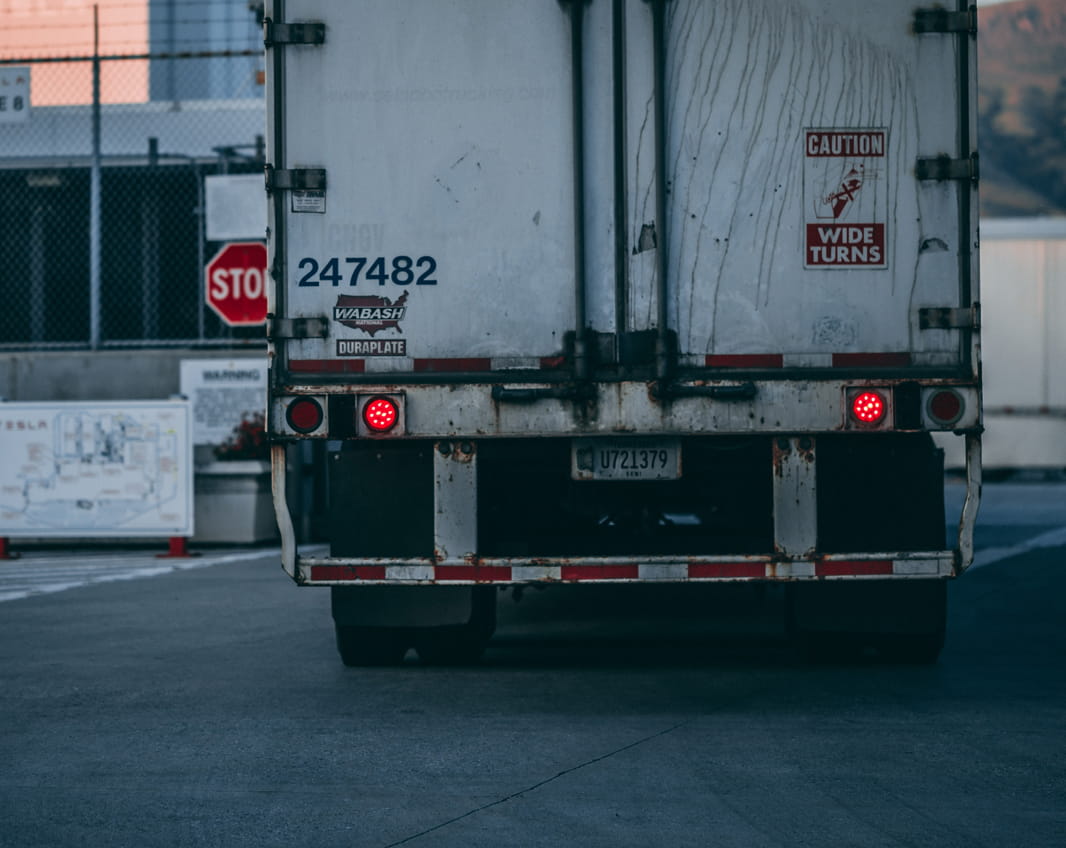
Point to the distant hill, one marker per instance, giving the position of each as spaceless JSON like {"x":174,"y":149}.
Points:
{"x":1021,"y":64}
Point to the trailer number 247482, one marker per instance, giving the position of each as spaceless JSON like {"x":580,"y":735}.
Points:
{"x":400,"y":271}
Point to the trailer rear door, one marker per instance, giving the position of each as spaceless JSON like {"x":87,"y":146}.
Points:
{"x":784,"y":183}
{"x":444,"y":238}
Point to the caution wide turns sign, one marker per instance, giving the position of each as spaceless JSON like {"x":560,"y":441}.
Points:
{"x":845,"y":198}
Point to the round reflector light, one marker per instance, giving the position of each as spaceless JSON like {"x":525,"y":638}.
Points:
{"x":868,"y":407}
{"x":304,"y":415}
{"x":945,"y":406}
{"x":380,"y":414}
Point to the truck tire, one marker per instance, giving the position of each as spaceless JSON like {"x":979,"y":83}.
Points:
{"x":895,"y":621}
{"x":460,"y":644}
{"x":371,"y":646}
{"x":911,"y":648}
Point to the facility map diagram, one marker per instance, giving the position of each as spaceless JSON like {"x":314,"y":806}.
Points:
{"x":72,"y":469}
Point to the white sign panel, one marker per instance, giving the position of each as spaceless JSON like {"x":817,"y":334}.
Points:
{"x":14,"y":95}
{"x":222,"y":392}
{"x":95,"y":469}
{"x":846,"y":198}
{"x":236,"y":207}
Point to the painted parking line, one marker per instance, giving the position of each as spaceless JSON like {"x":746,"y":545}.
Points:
{"x":34,"y":574}
{"x":39,"y":574}
{"x":1051,"y":539}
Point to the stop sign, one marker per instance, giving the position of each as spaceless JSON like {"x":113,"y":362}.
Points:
{"x":236,"y":283}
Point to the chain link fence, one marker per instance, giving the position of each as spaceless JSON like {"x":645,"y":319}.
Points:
{"x":102,"y":168}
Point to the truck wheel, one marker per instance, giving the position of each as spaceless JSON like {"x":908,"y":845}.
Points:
{"x":899,"y":622}
{"x":895,"y":648}
{"x":911,"y":648}
{"x":369,"y":646}
{"x":450,"y":646}
{"x":921,"y":647}
{"x":460,"y":644}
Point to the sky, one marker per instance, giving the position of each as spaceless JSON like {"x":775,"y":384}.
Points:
{"x":51,"y":28}
{"x":64,"y":28}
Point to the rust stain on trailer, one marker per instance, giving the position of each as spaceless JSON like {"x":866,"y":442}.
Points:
{"x":772,"y":570}
{"x":782,"y":450}
{"x":459,"y":451}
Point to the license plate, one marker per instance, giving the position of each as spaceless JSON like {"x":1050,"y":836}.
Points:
{"x":625,"y":459}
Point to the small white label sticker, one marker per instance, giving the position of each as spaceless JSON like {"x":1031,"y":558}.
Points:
{"x":309,"y":201}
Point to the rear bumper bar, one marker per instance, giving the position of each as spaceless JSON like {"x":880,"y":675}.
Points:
{"x":798,"y":560}
{"x":337,"y":571}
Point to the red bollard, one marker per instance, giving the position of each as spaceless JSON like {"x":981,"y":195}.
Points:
{"x":179,"y":549}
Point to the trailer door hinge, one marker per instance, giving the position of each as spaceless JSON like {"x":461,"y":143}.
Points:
{"x":944,"y":21}
{"x":295,"y":179}
{"x":950,"y":318}
{"x":297,"y":328}
{"x":308,"y":32}
{"x":942,"y":168}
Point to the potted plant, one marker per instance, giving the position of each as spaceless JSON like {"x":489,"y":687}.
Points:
{"x":232,"y":494}
{"x":247,"y":441}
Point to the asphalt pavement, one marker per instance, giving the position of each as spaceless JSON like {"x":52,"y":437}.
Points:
{"x":205,"y":705}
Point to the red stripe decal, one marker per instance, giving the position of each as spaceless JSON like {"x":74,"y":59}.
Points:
{"x":452,"y":365}
{"x":347,"y":572}
{"x":850,"y":568}
{"x":888,"y":360}
{"x":600,"y":572}
{"x":344,"y":366}
{"x":476,"y":573}
{"x":549,"y":362}
{"x":727,"y":569}
{"x":746,"y":360}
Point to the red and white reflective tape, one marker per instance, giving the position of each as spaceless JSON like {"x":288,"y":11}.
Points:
{"x":817,"y":360}
{"x":938,"y":564}
{"x":448,"y":365}
{"x":328,"y":366}
{"x":474,"y":365}
{"x":871,"y":360}
{"x":745,"y":360}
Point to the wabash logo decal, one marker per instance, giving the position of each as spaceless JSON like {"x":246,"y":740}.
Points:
{"x":845,"y":198}
{"x":369,"y":313}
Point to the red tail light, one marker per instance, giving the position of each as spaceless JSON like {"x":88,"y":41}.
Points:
{"x":380,"y":414}
{"x":869,"y":407}
{"x":304,"y":415}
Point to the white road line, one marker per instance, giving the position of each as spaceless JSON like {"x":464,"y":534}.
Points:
{"x":39,"y":575}
{"x":33,"y":575}
{"x":1051,"y":539}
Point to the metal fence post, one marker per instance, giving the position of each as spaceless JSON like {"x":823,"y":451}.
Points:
{"x":201,"y":223}
{"x":94,"y":195}
{"x":150,"y":245}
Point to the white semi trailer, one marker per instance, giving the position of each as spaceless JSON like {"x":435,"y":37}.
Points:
{"x":1023,"y":272}
{"x":586,"y":291}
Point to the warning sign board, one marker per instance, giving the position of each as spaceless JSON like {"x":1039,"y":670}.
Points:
{"x":845,"y":198}
{"x":107,"y":468}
